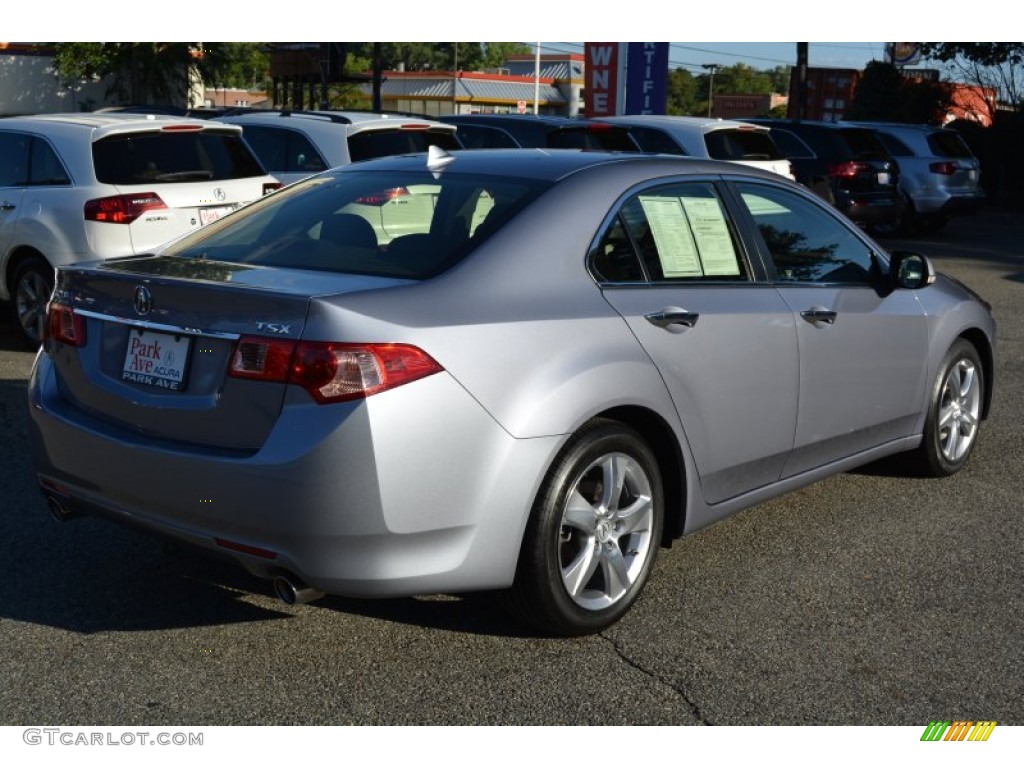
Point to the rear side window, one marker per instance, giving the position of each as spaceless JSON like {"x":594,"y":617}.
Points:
{"x":584,"y":137}
{"x":45,"y":168}
{"x":370,"y":144}
{"x":653,"y":140}
{"x":894,"y":146}
{"x":485,"y":137}
{"x":280,"y":149}
{"x":147,"y":158}
{"x":678,"y":232}
{"x":948,"y":144}
{"x":864,"y":144}
{"x":790,"y":144}
{"x":741,"y":145}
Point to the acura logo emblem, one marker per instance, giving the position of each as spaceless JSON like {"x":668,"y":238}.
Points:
{"x":143,"y":300}
{"x":220,"y":194}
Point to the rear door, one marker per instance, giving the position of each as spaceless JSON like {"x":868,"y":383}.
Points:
{"x":13,"y":179}
{"x":672,"y":265}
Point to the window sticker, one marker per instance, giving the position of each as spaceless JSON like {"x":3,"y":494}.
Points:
{"x":672,"y":236}
{"x":692,"y":236}
{"x":712,"y":235}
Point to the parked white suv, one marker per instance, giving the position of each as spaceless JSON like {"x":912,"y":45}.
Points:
{"x":706,"y":137}
{"x":77,"y":187}
{"x":294,"y":145}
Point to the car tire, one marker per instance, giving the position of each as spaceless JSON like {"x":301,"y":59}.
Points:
{"x":586,"y":556}
{"x":954,"y":412}
{"x":30,"y":293}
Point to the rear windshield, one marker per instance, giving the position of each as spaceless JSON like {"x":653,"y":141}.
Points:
{"x":384,"y":223}
{"x":147,"y":158}
{"x":948,"y":144}
{"x":370,"y":144}
{"x":741,"y":145}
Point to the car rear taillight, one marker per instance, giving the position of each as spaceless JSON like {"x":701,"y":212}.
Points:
{"x":331,"y":372}
{"x":945,"y":169}
{"x":122,"y":209}
{"x":63,"y":325}
{"x":271,"y":186}
{"x":383,"y":197}
{"x":848,"y":170}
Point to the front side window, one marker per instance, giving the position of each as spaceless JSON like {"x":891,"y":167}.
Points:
{"x":13,"y":159}
{"x":670,"y":233}
{"x":807,"y":244}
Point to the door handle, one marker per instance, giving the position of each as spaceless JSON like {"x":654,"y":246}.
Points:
{"x":6,"y":206}
{"x":818,"y":315}
{"x":668,"y":317}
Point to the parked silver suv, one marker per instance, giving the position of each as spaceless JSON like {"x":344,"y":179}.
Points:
{"x":939,"y":175}
{"x":293,"y":144}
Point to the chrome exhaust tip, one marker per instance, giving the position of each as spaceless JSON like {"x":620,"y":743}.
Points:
{"x":290,"y":590}
{"x":58,"y":511}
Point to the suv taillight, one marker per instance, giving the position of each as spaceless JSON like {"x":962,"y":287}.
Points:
{"x":848,"y":170}
{"x":63,"y":325}
{"x":122,"y":209}
{"x":331,"y":372}
{"x":945,"y":169}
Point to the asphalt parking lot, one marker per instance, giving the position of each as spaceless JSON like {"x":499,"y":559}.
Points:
{"x":871,"y":598}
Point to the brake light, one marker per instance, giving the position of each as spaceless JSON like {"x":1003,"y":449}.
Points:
{"x":63,"y":325}
{"x":331,"y":372}
{"x":413,"y":126}
{"x":945,"y":169}
{"x":181,"y":128}
{"x":848,"y":170}
{"x":122,"y":209}
{"x":384,"y":197}
{"x":271,"y":186}
{"x":599,"y":127}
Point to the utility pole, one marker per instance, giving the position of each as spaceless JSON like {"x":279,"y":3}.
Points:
{"x":711,"y":84}
{"x":801,"y":82}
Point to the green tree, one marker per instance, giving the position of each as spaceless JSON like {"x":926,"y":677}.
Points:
{"x":995,"y":66}
{"x":682,"y":93}
{"x":883,"y":93}
{"x":140,"y":73}
{"x":495,"y":54}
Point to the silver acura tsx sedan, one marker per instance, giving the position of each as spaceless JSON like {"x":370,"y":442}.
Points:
{"x":522,"y":371}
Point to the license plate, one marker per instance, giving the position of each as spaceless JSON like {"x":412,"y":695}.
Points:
{"x":884,"y":178}
{"x":206,"y":215}
{"x":156,"y":359}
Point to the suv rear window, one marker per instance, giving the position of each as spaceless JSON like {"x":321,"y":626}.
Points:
{"x":147,"y":158}
{"x":740,"y":145}
{"x":592,"y":137}
{"x":370,"y":144}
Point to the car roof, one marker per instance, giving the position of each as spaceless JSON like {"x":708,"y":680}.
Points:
{"x":353,"y":119}
{"x":704,"y":124}
{"x":491,"y":118}
{"x":556,"y":164}
{"x":101,"y":124}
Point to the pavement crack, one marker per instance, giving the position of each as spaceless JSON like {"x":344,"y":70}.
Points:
{"x":680,"y":690}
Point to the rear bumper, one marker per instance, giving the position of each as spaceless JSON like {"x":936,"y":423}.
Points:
{"x":413,"y":491}
{"x":872,"y":210}
{"x":947,"y":203}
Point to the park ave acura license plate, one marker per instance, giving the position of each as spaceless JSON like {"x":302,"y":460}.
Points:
{"x":156,"y":359}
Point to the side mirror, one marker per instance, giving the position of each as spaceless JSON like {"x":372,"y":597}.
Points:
{"x":910,"y":270}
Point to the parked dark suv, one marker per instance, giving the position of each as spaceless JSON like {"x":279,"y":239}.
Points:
{"x":846,"y":165}
{"x":550,"y":131}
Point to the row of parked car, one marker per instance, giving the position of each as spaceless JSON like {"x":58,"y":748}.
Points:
{"x":80,"y":186}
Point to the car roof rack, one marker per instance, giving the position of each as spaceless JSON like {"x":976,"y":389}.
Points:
{"x":332,"y":116}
